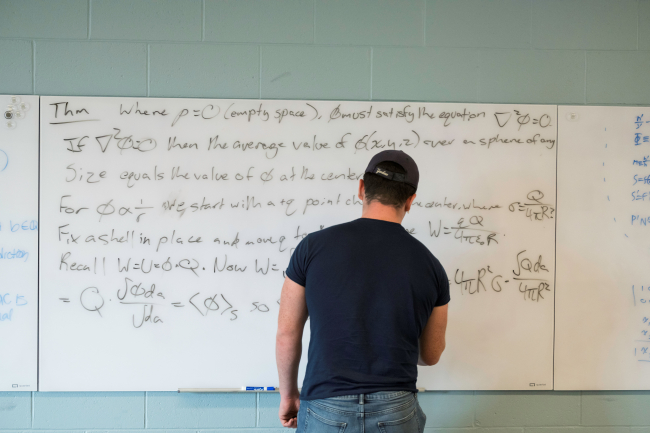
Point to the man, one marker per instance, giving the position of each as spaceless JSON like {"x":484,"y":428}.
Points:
{"x":377,"y":299}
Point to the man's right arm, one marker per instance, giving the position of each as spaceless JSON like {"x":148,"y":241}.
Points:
{"x":432,"y":340}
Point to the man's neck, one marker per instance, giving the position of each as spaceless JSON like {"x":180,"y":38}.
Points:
{"x":378,"y":211}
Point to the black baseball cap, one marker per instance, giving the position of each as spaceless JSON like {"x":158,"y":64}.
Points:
{"x":412,"y":175}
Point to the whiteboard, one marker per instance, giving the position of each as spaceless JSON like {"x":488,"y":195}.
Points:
{"x":602,"y":337}
{"x":19,"y":243}
{"x":168,"y":224}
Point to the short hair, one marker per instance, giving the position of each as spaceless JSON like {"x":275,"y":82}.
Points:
{"x":385,"y":191}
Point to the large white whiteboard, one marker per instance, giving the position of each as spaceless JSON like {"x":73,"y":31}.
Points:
{"x":19,"y":243}
{"x":603,"y":295}
{"x":203,"y":315}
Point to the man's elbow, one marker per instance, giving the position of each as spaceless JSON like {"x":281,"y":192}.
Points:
{"x":432,"y":358}
{"x":287,"y":336}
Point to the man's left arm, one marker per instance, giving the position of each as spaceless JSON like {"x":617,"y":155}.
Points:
{"x":288,"y":349}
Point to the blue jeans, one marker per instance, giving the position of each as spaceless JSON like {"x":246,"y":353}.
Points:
{"x":378,"y":412}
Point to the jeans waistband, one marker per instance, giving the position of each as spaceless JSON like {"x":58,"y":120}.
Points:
{"x":381,"y":395}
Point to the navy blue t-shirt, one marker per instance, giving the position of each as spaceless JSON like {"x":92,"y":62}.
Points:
{"x":370,"y":288}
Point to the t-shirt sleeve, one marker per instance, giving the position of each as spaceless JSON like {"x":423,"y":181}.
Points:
{"x":443,"y":286}
{"x":297,"y":269}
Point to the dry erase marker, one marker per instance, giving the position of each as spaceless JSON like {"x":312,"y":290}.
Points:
{"x":259,"y":388}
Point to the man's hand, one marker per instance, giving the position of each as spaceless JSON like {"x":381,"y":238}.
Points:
{"x":289,"y":411}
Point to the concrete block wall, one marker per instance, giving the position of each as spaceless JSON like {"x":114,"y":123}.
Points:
{"x":517,"y":51}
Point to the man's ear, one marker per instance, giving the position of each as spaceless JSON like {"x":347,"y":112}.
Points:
{"x":409,"y":202}
{"x":362,"y":190}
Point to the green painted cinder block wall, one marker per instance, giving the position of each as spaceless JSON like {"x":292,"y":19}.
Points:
{"x":517,"y":51}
